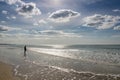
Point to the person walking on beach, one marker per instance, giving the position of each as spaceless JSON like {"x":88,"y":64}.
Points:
{"x":25,"y":49}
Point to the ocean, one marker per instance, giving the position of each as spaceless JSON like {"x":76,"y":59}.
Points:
{"x":109,"y":54}
{"x":95,"y":59}
{"x":105,"y":58}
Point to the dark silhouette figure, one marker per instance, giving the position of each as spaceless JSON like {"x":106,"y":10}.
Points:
{"x":25,"y":49}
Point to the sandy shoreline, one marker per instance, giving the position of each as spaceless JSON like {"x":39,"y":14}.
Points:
{"x":48,"y":73}
{"x":30,"y":71}
{"x":6,"y":72}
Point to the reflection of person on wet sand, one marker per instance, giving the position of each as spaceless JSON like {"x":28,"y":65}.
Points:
{"x":25,"y":49}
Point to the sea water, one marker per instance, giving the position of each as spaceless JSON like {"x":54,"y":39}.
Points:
{"x":109,"y":54}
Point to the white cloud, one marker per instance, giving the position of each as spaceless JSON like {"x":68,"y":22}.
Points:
{"x":25,"y":9}
{"x":56,"y":33}
{"x":3,"y":21}
{"x":63,"y":15}
{"x":5,"y":12}
{"x":28,"y":10}
{"x":117,"y":27}
{"x":46,"y":34}
{"x":18,"y":35}
{"x":11,"y":2}
{"x":99,"y":21}
{"x":40,"y":22}
{"x":91,"y":1}
{"x":8,"y":17}
{"x":6,"y":28}
{"x":51,"y":32}
{"x":116,"y":10}
{"x":35,"y":24}
{"x":13,"y":17}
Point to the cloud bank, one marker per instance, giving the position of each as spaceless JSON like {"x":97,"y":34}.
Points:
{"x":99,"y":21}
{"x":58,"y":33}
{"x":63,"y":15}
{"x":6,"y":28}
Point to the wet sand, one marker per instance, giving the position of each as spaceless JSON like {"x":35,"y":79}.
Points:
{"x":30,"y":71}
{"x":6,"y":72}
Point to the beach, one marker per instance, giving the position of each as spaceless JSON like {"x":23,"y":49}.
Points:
{"x":40,"y":66}
{"x":6,"y":72}
{"x":35,"y":72}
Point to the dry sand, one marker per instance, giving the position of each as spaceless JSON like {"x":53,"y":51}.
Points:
{"x":6,"y":72}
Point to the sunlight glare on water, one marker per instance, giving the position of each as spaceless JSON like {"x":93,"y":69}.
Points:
{"x":49,"y":51}
{"x":56,"y":51}
{"x":58,"y":46}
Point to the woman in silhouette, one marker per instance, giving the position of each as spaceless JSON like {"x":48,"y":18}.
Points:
{"x":25,"y":49}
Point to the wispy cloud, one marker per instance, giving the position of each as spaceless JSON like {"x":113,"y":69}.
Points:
{"x":6,"y":28}
{"x":47,"y":34}
{"x":91,"y":1}
{"x":40,"y":22}
{"x":11,"y":1}
{"x":5,"y":12}
{"x":116,"y":36}
{"x":58,"y":33}
{"x":3,"y":22}
{"x":116,"y":10}
{"x":11,"y":17}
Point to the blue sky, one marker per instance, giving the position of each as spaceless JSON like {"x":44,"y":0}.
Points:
{"x":60,"y":21}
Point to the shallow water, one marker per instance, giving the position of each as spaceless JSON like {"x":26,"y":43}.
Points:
{"x":100,"y":54}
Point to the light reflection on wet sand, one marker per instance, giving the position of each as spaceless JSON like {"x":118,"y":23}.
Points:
{"x":36,"y":72}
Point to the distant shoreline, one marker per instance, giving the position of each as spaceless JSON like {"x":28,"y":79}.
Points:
{"x":54,"y":44}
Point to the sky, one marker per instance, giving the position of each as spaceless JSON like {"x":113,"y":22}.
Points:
{"x":60,"y":21}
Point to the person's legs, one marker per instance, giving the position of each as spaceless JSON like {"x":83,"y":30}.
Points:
{"x":24,"y":53}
